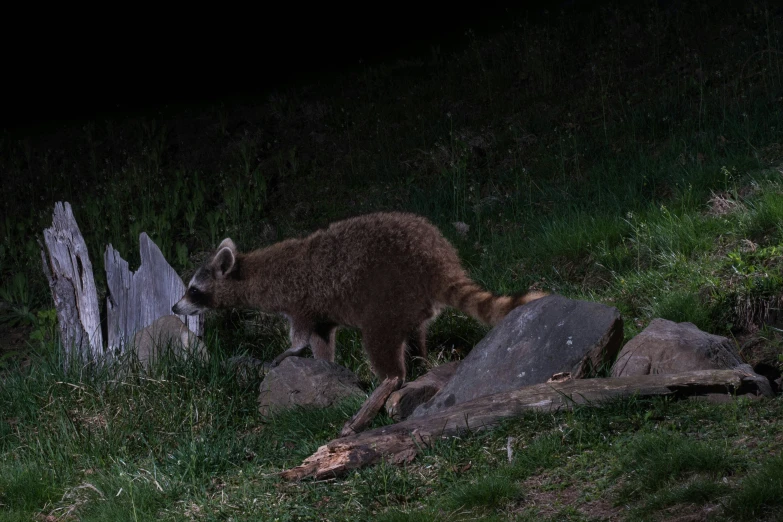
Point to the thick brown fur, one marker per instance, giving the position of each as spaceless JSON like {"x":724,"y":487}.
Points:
{"x":388,"y":274}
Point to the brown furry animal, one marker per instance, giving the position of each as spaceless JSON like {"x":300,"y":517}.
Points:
{"x":388,"y":274}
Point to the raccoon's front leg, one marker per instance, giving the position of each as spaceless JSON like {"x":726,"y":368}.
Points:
{"x":300,"y":340}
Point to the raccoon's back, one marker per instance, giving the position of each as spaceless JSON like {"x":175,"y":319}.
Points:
{"x":392,"y":237}
{"x":384,"y":248}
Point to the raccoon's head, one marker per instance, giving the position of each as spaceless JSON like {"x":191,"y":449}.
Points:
{"x":207,"y":286}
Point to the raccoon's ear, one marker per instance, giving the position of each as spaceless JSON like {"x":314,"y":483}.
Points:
{"x":227,"y":243}
{"x":224,"y":261}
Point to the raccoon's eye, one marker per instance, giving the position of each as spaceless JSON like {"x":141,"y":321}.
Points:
{"x":192,"y":291}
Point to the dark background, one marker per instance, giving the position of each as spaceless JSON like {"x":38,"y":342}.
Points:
{"x":112,"y":65}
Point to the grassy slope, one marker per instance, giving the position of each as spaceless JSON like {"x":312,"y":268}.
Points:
{"x":626,"y":157}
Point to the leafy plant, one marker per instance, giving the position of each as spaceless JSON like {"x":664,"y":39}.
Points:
{"x":20,"y":302}
{"x":45,"y":326}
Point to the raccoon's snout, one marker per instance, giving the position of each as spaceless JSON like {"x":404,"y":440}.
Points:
{"x":183,"y":307}
{"x":186,"y":306}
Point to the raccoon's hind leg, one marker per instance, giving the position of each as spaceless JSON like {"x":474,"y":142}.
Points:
{"x":322,"y":341}
{"x":386,"y":351}
{"x":417,"y":348}
{"x":295,"y":350}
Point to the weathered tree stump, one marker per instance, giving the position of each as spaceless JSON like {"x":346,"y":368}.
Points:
{"x":69,"y":272}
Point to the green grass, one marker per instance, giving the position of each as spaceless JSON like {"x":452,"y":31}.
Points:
{"x":760,"y":494}
{"x":646,"y":177}
{"x":26,"y":486}
{"x":191,"y":441}
{"x":653,"y":459}
{"x":488,"y":493}
{"x":699,"y":491}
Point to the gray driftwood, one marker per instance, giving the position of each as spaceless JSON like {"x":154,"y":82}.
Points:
{"x":137,"y":299}
{"x":67,"y":266}
{"x":371,"y":406}
{"x":400,"y":442}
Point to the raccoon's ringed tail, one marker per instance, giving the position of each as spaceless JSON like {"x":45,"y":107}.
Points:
{"x":484,"y":305}
{"x":530,"y":296}
{"x":477,"y":302}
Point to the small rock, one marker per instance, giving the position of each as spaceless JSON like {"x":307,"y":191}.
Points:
{"x":167,"y":332}
{"x":560,"y":377}
{"x":299,"y":381}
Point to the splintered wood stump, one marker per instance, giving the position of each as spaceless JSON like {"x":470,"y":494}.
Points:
{"x":401,"y":442}
{"x":137,"y":299}
{"x":69,"y":272}
{"x":371,"y":406}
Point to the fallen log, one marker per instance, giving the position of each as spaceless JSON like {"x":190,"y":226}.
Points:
{"x":371,"y":407}
{"x":401,"y":442}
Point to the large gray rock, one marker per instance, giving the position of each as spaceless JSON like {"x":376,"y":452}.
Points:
{"x":550,"y":335}
{"x":669,"y":347}
{"x":166,"y":333}
{"x":298,"y":381}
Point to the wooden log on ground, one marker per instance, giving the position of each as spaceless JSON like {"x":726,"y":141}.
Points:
{"x":402,"y":402}
{"x":400,"y":442}
{"x":371,"y":406}
{"x":69,"y":272}
{"x":137,"y":299}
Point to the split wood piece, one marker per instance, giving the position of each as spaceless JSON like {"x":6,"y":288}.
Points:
{"x":371,"y":407}
{"x":400,"y":442}
{"x":137,"y":299}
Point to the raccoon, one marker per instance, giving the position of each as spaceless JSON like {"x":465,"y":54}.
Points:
{"x":389,"y":274}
